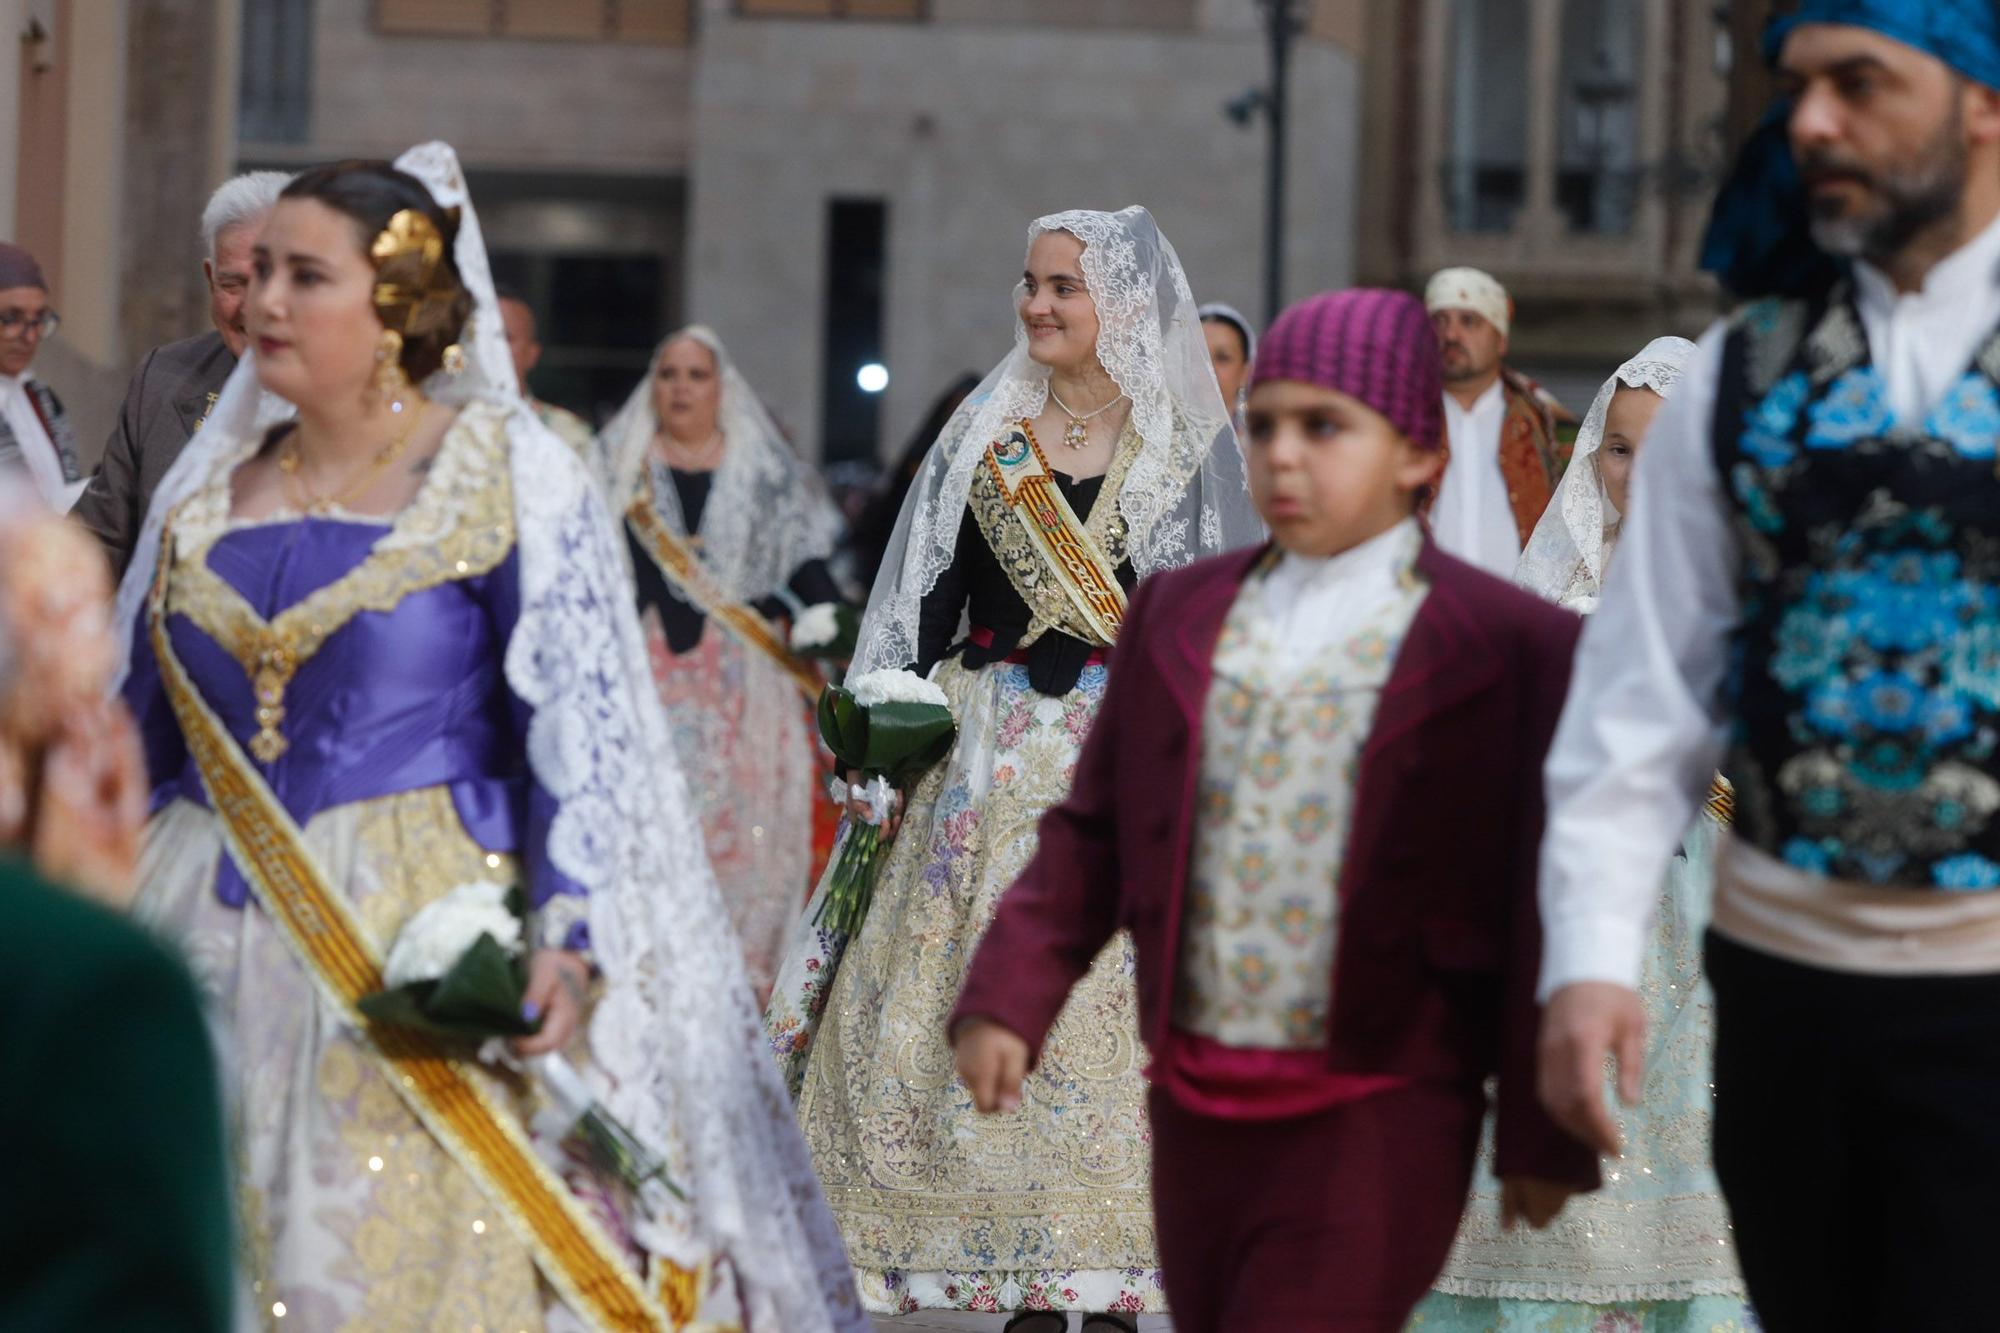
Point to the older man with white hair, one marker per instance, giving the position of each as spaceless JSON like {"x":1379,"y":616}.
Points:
{"x":1504,"y":450}
{"x":177,"y":383}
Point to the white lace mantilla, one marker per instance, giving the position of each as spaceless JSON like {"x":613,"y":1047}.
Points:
{"x":676,"y":1033}
{"x":1185,"y":495}
{"x":1566,"y":556}
{"x":767,"y":512}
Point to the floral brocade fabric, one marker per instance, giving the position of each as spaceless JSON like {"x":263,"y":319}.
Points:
{"x":1653,"y":1250}
{"x":1280,"y":756}
{"x":1866,"y":673}
{"x":352,"y":1216}
{"x":743,"y":736}
{"x":942,"y":1208}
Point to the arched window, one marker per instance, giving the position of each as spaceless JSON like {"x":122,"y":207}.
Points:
{"x":1486,"y":157}
{"x":1597,"y":115}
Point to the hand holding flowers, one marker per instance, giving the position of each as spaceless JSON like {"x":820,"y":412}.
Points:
{"x":885,"y":727}
{"x":459,"y":970}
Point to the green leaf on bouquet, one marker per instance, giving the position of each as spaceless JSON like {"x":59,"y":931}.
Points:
{"x":906,"y":738}
{"x":843,"y":725}
{"x":479,"y":997}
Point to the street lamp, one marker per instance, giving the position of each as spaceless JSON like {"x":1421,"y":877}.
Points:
{"x":1281,"y":23}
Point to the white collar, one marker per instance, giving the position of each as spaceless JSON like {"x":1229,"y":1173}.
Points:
{"x":1380,"y":558}
{"x":1486,"y":402}
{"x":1973,"y":267}
{"x":19,"y":381}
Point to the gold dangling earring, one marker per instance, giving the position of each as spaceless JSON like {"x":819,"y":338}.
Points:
{"x":454,"y":360}
{"x":389,"y":377}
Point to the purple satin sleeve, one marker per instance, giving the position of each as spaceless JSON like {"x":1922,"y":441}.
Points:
{"x":159,"y":732}
{"x":393,"y":701}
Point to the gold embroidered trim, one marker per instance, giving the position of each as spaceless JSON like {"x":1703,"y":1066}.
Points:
{"x":569,"y":1246}
{"x":469,"y":496}
{"x":1721,"y":803}
{"x":674,"y":557}
{"x":1063,"y":568}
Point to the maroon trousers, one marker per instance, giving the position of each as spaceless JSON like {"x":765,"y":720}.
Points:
{"x":1329,"y":1223}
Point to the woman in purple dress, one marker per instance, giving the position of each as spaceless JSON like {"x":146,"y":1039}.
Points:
{"x":381,"y":651}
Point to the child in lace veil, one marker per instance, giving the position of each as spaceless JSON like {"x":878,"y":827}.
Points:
{"x":1656,"y":1236}
{"x":1566,"y":557}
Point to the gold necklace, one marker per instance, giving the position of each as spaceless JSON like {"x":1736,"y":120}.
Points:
{"x":308,"y":501}
{"x":1077,"y":434}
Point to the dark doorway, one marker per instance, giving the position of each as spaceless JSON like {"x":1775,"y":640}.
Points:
{"x":854,"y":374}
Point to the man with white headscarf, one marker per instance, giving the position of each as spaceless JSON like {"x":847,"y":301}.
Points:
{"x":1503,"y":450}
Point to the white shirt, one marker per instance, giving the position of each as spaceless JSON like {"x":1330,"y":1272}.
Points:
{"x":38,"y":451}
{"x":1644,"y":727}
{"x":1472,"y":518}
{"x":1316,"y":601}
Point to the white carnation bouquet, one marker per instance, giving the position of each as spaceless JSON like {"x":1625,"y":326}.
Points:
{"x":458,"y":970}
{"x":890,"y":726}
{"x":826,"y":632}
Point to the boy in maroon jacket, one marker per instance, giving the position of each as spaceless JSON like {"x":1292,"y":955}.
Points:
{"x":1313,"y":796}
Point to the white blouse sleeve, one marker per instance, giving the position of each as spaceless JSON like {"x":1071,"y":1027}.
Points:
{"x":1642,"y":731}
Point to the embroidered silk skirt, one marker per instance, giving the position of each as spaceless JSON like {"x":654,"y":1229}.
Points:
{"x":744,"y":736}
{"x":1651,"y":1252}
{"x":942,"y":1208}
{"x":351,"y":1216}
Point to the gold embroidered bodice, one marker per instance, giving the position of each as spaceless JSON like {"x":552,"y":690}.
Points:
{"x":459,"y":525}
{"x":1021,"y":559}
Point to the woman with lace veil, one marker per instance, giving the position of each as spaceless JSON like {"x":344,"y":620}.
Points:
{"x":1101,"y":436}
{"x":728,"y":533}
{"x":1650,"y":1250}
{"x":381,"y":647}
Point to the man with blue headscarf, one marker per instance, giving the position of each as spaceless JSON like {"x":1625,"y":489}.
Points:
{"x":1807,"y":592}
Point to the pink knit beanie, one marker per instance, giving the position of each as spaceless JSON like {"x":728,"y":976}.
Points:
{"x":1369,"y":343}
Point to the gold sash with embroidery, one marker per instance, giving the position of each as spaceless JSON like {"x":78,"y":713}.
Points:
{"x":569,"y":1246}
{"x":1073,"y":558}
{"x":683,"y":568}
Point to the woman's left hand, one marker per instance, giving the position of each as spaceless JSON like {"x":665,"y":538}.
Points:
{"x":558,"y":981}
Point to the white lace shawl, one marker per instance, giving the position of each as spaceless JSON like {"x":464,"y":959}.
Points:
{"x":676,"y":1043}
{"x":1185,"y":496}
{"x":1565,"y":557}
{"x":766,"y":512}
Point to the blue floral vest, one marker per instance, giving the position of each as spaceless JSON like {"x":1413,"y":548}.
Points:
{"x":1865,"y":679}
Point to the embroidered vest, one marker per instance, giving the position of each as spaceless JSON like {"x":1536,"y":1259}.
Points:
{"x":1279,"y":758}
{"x":1865,"y":676}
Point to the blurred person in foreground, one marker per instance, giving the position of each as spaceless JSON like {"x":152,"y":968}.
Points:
{"x":1324,"y":982}
{"x":116,"y":1207}
{"x":1805,"y":595}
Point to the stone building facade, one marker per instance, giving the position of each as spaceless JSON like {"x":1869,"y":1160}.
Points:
{"x":639,"y":162}
{"x":1570,"y":147}
{"x":825,"y":179}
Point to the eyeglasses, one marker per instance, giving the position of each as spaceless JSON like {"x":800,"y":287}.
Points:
{"x":13,"y":323}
